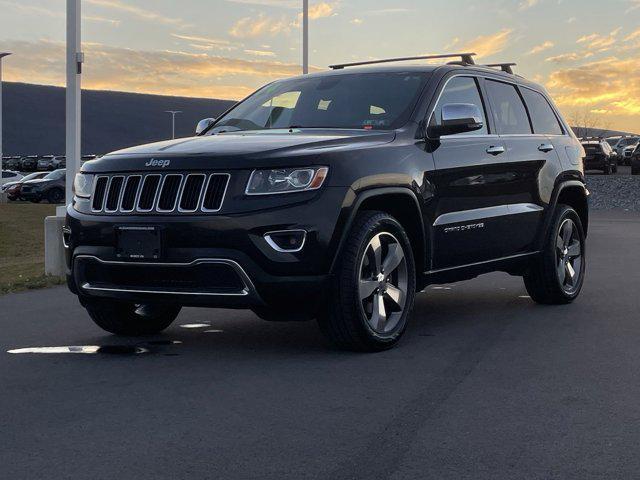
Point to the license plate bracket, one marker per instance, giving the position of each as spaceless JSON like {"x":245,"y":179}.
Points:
{"x":138,"y":242}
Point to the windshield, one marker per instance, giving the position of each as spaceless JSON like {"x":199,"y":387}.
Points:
{"x":55,"y":175}
{"x":612,"y":141}
{"x":625,"y":142}
{"x":32,"y":176}
{"x":369,"y":101}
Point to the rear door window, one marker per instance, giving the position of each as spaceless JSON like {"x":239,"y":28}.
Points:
{"x":509,"y":112}
{"x":543,"y":117}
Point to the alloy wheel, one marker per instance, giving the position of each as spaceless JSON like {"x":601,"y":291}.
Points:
{"x":569,"y":256}
{"x":383,"y":283}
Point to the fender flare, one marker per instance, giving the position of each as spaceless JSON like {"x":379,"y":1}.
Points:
{"x":379,"y":192}
{"x":562,"y":185}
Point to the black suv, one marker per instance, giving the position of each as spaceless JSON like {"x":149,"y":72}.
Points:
{"x":599,"y":156}
{"x":336,"y":196}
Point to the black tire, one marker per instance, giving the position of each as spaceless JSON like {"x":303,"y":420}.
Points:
{"x":635,"y":171}
{"x":607,"y":170}
{"x":55,"y":195}
{"x":128,"y":319}
{"x":543,"y":279}
{"x":344,"y":320}
{"x":615,"y":167}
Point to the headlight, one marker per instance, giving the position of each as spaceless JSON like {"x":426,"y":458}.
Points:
{"x":286,"y":180}
{"x":82,"y":185}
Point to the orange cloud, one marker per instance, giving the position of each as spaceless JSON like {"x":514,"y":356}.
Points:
{"x":487,"y":45}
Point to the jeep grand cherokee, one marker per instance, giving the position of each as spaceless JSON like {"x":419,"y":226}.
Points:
{"x":336,"y":196}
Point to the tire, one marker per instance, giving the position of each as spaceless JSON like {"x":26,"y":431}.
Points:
{"x":128,"y":319}
{"x":635,"y":171}
{"x":615,"y":167}
{"x":55,"y":196}
{"x":549,"y":280}
{"x":355,"y":320}
{"x":607,"y":170}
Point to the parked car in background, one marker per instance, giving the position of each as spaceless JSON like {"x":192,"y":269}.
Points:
{"x":29,"y":164}
{"x":11,"y":163}
{"x":86,"y":158}
{"x":635,"y":161}
{"x":45,"y":163}
{"x":613,"y":141}
{"x":627,"y":153}
{"x":624,"y":143}
{"x":9,"y":176}
{"x":50,"y":187}
{"x":12,"y":189}
{"x":599,"y":156}
{"x":59,"y":161}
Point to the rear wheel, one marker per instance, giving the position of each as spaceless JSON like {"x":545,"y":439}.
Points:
{"x":557,"y":275}
{"x":129,"y":319}
{"x":370,"y":302}
{"x":607,"y":170}
{"x":55,"y":195}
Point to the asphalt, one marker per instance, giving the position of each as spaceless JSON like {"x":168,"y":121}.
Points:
{"x":485,"y":385}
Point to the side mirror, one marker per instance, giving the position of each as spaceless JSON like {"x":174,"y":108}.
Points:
{"x":204,"y":124}
{"x":457,"y":118}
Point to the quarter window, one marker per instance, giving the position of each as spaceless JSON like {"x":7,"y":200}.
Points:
{"x":460,"y":90}
{"x":508,"y":110}
{"x":543,"y":118}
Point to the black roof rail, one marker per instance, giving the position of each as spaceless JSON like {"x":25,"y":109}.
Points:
{"x":466,"y":58}
{"x":505,"y":67}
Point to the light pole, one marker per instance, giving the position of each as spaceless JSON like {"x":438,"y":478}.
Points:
{"x":173,"y":121}
{"x":305,"y":36}
{"x":75,"y":58}
{"x":2,"y":55}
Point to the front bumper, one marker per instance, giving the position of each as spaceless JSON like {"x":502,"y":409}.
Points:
{"x":199,"y":250}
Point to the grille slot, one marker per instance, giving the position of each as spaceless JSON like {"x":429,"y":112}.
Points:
{"x":148,"y":193}
{"x":191,"y":192}
{"x":159,"y":193}
{"x":98,"y":193}
{"x":130,"y":193}
{"x":113,"y":195}
{"x":214,"y":193}
{"x":169,"y":193}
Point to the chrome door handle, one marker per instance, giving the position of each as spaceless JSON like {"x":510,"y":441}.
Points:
{"x":545,"y":147}
{"x":493,"y":150}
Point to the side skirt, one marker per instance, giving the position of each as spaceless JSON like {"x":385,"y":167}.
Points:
{"x":513,"y":265}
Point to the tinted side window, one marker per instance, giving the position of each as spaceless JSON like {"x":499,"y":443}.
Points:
{"x":542,"y":116}
{"x":8,"y":174}
{"x":460,"y":90}
{"x":509,"y":111}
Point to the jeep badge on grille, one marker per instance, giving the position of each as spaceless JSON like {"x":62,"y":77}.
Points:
{"x":157,"y":163}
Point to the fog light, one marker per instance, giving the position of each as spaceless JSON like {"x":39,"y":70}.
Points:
{"x":286,"y":241}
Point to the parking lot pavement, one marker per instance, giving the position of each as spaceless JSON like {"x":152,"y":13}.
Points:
{"x":486,"y":384}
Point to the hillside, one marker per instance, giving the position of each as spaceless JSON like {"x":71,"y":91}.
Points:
{"x":34,"y":118}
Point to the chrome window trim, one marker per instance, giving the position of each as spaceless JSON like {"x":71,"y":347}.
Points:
{"x":224,"y":194}
{"x":249,"y":287}
{"x":200,"y":195}
{"x":155,"y":197}
{"x":486,"y":212}
{"x":175,"y":199}
{"x":135,"y":197}
{"x":272,"y":244}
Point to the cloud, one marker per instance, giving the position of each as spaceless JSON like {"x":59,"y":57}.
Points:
{"x":569,"y":57}
{"x":356,"y":21}
{"x":599,"y":43}
{"x":388,"y":11}
{"x":206,"y":41}
{"x":156,"y":72}
{"x":321,"y":10}
{"x":260,"y":53}
{"x":487,"y":45}
{"x":541,"y":48}
{"x":31,"y":9}
{"x":610,"y":84}
{"x":527,"y":4}
{"x":262,"y":25}
{"x":635,"y":5}
{"x":139,"y":12}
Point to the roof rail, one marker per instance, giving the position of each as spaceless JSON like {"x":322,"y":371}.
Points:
{"x":466,"y":58}
{"x":505,"y":67}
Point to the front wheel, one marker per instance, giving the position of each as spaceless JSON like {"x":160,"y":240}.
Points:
{"x":557,"y":275}
{"x":55,"y":196}
{"x":129,"y":319}
{"x":369,"y":304}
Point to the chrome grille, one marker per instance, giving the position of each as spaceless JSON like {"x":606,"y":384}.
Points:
{"x":159,"y":193}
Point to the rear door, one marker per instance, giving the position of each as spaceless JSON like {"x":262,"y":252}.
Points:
{"x":470,"y":180}
{"x":532,"y":159}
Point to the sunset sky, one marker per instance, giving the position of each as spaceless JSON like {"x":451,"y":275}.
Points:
{"x":586,"y":52}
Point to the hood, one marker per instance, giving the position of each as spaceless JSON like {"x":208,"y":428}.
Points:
{"x":241,"y":149}
{"x":37,"y":181}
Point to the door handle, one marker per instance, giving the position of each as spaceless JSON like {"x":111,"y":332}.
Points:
{"x":545,"y":147}
{"x":495,"y":150}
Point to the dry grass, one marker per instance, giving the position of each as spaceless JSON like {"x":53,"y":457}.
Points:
{"x":22,"y":246}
